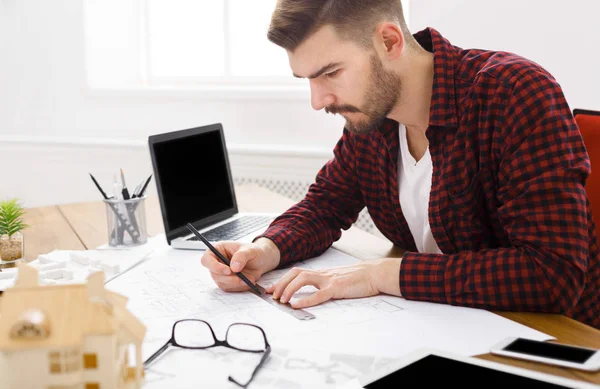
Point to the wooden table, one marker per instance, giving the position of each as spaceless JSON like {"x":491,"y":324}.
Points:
{"x":83,"y":226}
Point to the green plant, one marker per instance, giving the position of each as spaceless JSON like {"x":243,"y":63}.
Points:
{"x":11,"y":222}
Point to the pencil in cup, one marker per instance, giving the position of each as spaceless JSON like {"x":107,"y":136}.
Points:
{"x":126,"y":216}
{"x":118,"y":222}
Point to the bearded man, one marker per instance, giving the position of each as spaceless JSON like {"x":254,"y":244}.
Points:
{"x":468,"y":159}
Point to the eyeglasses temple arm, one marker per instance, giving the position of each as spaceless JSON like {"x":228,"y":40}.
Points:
{"x":157,"y":353}
{"x":262,"y":361}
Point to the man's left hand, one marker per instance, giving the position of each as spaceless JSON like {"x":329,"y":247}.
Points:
{"x":356,"y":281}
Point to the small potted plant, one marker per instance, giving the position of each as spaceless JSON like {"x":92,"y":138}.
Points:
{"x":11,"y":225}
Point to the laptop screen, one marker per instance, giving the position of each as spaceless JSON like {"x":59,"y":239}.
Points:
{"x":193,"y":176}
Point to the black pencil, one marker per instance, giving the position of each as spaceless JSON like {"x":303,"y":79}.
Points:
{"x":222,"y":258}
{"x":98,"y":186}
{"x":144,"y":187}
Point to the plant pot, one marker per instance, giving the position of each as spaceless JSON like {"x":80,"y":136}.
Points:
{"x":11,"y":248}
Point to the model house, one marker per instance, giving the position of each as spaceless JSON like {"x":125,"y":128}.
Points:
{"x":67,"y":336}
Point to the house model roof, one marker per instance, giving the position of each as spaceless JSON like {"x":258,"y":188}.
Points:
{"x":71,"y":312}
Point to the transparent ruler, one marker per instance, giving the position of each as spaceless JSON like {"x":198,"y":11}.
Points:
{"x":287,"y":308}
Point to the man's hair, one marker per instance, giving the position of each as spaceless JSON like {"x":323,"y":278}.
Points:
{"x":293,"y":21}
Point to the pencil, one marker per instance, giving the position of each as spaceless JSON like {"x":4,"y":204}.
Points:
{"x":222,"y":258}
{"x":98,"y":186}
{"x":144,"y":187}
{"x":124,"y":191}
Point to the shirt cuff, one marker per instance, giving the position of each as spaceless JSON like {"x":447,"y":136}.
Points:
{"x":286,"y":241}
{"x":422,"y":277}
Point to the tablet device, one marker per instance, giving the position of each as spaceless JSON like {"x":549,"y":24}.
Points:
{"x":431,"y":368}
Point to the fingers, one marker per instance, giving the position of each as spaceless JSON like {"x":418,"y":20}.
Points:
{"x":227,"y":247}
{"x":316,"y":298}
{"x":210,"y":261}
{"x":231,"y":283}
{"x":296,"y":279}
{"x":278,"y":288}
{"x":242,"y":256}
{"x":297,"y":283}
{"x":220,"y":272}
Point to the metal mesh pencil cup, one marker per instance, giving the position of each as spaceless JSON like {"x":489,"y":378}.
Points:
{"x":126,"y":221}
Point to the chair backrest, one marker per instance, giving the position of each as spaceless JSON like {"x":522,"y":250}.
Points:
{"x":589,"y":125}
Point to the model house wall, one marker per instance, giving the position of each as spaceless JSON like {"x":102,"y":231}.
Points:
{"x":67,"y":336}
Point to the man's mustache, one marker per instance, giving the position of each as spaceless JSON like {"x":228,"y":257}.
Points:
{"x":341,"y":109}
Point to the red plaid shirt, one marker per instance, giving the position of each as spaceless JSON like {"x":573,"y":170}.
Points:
{"x":507,"y":206}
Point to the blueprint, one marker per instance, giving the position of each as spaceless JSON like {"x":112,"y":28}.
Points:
{"x":175,"y":286}
{"x":172,"y":284}
{"x":285,"y":368}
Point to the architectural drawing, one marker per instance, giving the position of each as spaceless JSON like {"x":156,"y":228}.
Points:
{"x":173,"y":285}
{"x":166,"y":289}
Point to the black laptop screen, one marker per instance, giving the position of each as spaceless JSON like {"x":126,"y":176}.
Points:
{"x":194,"y":177}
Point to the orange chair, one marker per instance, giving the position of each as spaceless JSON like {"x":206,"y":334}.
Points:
{"x":589,"y":125}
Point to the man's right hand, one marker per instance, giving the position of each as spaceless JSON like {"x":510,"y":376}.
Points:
{"x":252,"y":259}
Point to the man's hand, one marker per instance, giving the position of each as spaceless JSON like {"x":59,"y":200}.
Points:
{"x":361,"y":280}
{"x":252,"y":259}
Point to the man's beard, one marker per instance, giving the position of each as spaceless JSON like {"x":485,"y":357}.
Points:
{"x":380,"y":98}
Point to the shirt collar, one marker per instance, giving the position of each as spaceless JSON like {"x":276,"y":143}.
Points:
{"x":442,"y":111}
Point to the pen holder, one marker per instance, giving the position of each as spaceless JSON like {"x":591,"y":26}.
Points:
{"x":126,"y":222}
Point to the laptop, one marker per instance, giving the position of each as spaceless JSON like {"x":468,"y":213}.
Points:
{"x":194,"y":184}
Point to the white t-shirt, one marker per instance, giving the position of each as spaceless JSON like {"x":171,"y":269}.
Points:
{"x":414,"y":183}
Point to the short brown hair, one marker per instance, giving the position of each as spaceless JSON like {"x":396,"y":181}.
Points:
{"x":295,"y":20}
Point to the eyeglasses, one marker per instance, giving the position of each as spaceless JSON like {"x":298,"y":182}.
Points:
{"x":196,"y":334}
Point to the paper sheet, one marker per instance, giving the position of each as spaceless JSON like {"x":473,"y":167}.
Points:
{"x":173,"y":285}
{"x":285,"y":368}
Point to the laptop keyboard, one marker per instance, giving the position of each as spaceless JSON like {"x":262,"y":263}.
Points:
{"x":236,"y":228}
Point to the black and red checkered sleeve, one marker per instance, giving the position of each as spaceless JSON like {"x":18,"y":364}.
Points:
{"x":331,"y":205}
{"x":541,"y":170}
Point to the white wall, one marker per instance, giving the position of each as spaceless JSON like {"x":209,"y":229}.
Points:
{"x":42,"y":74}
{"x":53,"y":130}
{"x":562,"y":36}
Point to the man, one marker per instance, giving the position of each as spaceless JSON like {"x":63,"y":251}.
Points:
{"x":469,"y":159}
